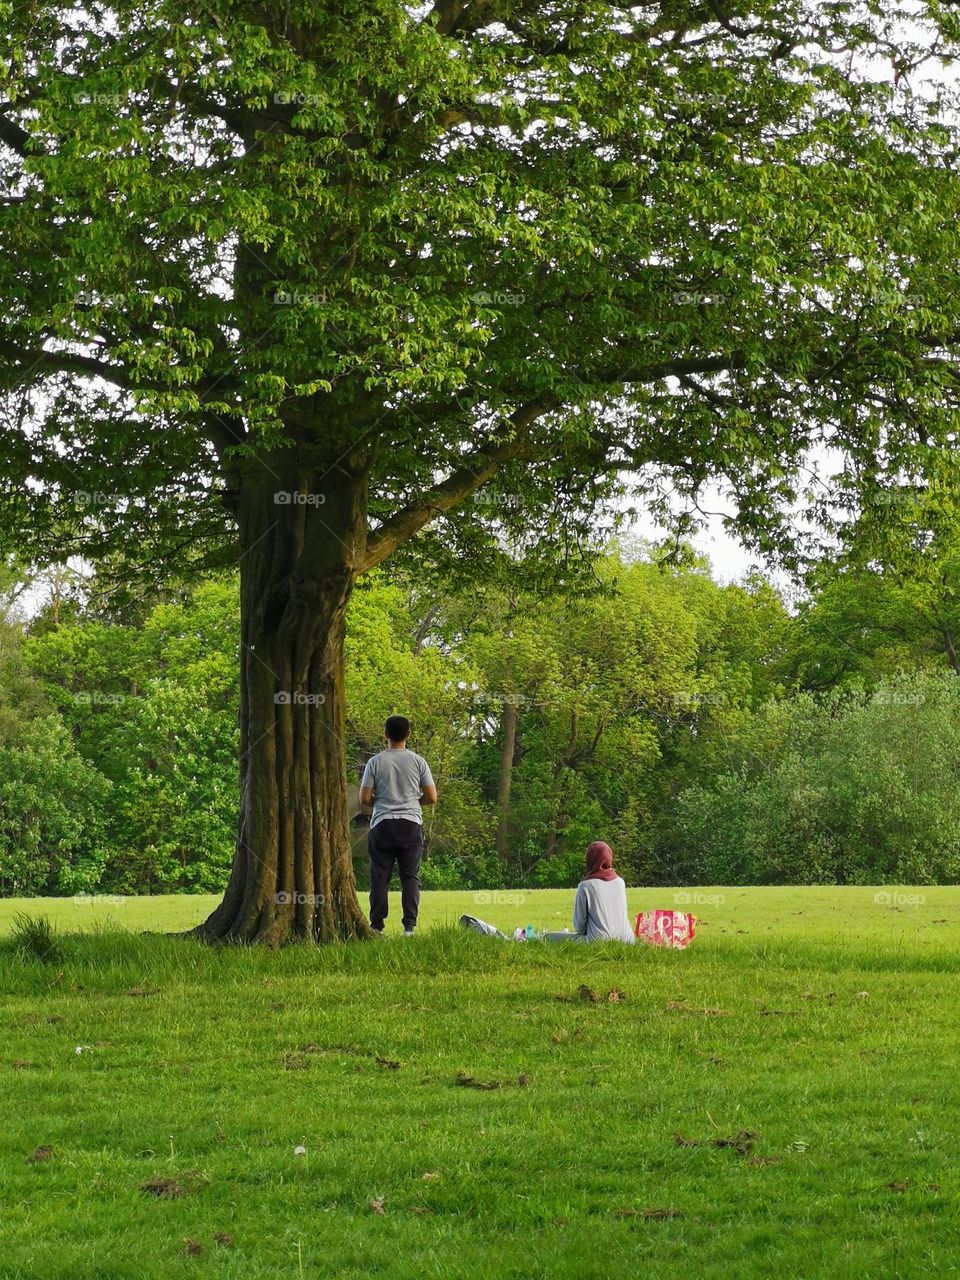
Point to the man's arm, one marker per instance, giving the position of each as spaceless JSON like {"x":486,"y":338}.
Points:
{"x":366,"y":783}
{"x":428,"y":790}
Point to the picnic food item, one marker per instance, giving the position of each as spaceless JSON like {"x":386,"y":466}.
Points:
{"x":666,"y":928}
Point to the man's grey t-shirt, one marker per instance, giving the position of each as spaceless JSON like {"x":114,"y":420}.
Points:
{"x":397,"y":777}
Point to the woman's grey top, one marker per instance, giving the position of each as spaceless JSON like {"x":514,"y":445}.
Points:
{"x":600,"y":911}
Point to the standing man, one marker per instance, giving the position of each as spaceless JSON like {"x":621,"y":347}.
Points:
{"x":396,"y":782}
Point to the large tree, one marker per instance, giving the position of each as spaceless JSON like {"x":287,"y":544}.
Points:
{"x":287,"y":284}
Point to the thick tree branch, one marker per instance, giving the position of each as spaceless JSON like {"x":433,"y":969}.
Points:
{"x":478,"y":467}
{"x":44,"y":363}
{"x":13,"y":136}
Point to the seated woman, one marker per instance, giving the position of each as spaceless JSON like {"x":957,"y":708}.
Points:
{"x":600,"y":907}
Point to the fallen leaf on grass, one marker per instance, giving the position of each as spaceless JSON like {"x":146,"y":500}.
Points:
{"x":224,"y":1238}
{"x":585,"y":993}
{"x":420,"y":1210}
{"x":377,"y":1205}
{"x":469,"y":1082}
{"x":680,"y":1141}
{"x":523,"y":1080}
{"x":142,"y":991}
{"x":192,"y":1247}
{"x":389,"y":1063}
{"x":615,"y":996}
{"x":22,"y":1064}
{"x":681,"y":1006}
{"x":428,"y":1177}
{"x":651,"y":1215}
{"x":741,"y":1142}
{"x":54,"y":1018}
{"x":162,"y":1188}
{"x":899,"y":1186}
{"x":294,"y":1062}
{"x":771,"y":1013}
{"x":861,"y":995}
{"x":350,"y":1050}
{"x":39,"y":1155}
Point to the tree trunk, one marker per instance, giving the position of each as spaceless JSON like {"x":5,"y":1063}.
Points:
{"x":951,"y":649}
{"x":507,"y":749}
{"x":292,"y":874}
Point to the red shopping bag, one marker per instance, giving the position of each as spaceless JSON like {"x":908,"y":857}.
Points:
{"x":666,"y":928}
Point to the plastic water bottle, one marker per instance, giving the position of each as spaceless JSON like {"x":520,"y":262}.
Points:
{"x":530,"y":932}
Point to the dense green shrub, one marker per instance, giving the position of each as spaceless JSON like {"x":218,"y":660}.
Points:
{"x":855,"y":788}
{"x":53,"y":807}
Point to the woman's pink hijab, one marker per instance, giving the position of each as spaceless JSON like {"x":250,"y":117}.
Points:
{"x":600,"y":862}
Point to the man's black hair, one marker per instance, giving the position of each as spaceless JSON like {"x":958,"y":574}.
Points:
{"x":397,"y":728}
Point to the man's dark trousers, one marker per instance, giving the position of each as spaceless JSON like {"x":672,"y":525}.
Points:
{"x":397,"y":840}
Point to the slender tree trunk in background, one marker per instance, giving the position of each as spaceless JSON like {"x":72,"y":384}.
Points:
{"x":561,"y":817}
{"x":292,"y":874}
{"x":505,"y":780}
{"x":951,"y":649}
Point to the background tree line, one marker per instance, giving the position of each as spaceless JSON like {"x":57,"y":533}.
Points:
{"x":709,"y":732}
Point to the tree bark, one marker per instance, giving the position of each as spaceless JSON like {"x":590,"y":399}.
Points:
{"x":302,"y":537}
{"x":508,"y":726}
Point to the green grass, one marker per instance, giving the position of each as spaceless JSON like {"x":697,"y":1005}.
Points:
{"x":820,"y":1020}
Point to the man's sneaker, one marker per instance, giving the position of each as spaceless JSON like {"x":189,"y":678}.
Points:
{"x":408,"y":933}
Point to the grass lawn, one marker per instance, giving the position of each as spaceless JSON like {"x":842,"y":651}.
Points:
{"x":780,"y":1100}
